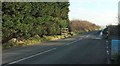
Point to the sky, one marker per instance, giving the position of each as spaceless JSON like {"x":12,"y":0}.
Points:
{"x":100,"y":12}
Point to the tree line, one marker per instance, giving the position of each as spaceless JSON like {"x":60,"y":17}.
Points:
{"x":23,"y":20}
{"x":83,"y":26}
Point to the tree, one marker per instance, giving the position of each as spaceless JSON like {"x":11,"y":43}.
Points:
{"x":27,"y":19}
{"x":80,"y":25}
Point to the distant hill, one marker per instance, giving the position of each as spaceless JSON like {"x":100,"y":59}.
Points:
{"x":83,"y":26}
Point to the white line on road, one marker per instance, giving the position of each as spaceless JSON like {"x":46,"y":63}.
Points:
{"x":87,"y":36}
{"x":38,"y":54}
{"x":32,"y":56}
{"x":108,"y":60}
{"x":73,"y":42}
{"x":107,"y":47}
{"x":97,"y":38}
{"x":107,"y":41}
{"x":107,"y":52}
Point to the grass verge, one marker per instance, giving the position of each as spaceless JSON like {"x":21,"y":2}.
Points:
{"x":32,"y":41}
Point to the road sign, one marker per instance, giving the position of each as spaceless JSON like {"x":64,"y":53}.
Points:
{"x":115,"y":48}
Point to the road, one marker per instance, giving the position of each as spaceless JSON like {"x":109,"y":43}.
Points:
{"x":86,"y":48}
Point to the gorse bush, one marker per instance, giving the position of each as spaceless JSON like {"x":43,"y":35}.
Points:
{"x":83,"y":26}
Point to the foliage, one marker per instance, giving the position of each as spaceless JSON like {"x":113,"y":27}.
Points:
{"x":23,"y":20}
{"x":82,"y":26}
{"x":119,"y":29}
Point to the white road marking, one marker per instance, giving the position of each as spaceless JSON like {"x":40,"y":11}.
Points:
{"x":107,"y":41}
{"x":107,"y":47}
{"x":32,"y":56}
{"x":87,"y":36}
{"x":108,"y":60}
{"x":73,"y":42}
{"x":38,"y":54}
{"x":107,"y":52}
{"x":97,"y":38}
